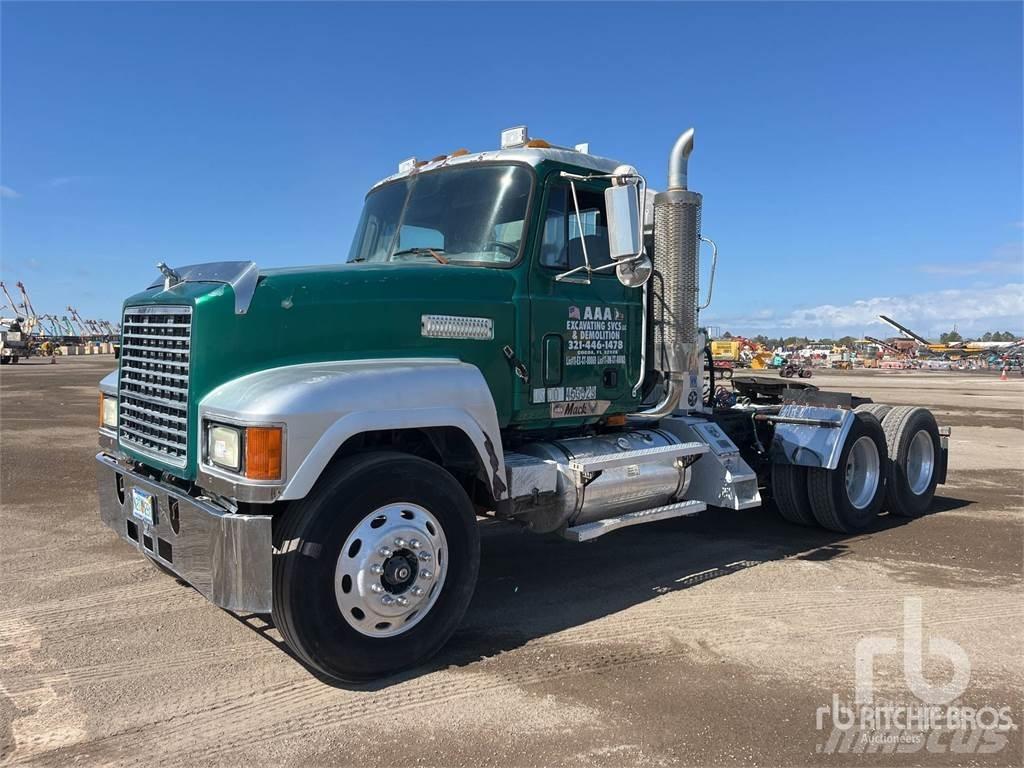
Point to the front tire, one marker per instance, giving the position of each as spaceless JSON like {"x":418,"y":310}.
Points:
{"x":374,"y":570}
{"x":848,"y":498}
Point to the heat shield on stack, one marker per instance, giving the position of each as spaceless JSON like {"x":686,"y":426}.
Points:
{"x":676,"y":249}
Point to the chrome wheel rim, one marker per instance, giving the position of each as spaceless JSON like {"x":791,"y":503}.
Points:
{"x":862,"y":472}
{"x":391,"y":570}
{"x":920,"y":462}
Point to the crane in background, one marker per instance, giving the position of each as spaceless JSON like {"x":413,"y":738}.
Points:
{"x":10,"y":299}
{"x":77,"y":319}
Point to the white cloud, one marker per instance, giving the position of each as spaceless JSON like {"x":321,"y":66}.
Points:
{"x":972,"y":310}
{"x":8,"y":193}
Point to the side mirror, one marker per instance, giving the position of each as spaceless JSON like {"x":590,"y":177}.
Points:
{"x":625,"y":227}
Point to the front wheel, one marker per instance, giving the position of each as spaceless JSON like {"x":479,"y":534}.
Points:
{"x":374,"y":570}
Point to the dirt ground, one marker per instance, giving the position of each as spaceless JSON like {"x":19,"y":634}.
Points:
{"x":704,"y":641}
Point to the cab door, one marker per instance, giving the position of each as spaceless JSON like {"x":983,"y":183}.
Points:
{"x":584,"y":331}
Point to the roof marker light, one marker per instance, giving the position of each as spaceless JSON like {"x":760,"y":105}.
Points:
{"x":513,"y":137}
{"x":407,"y":165}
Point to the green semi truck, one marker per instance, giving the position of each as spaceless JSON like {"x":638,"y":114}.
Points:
{"x":514,"y":335}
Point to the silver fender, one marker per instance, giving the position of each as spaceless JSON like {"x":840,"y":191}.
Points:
{"x":810,"y":446}
{"x":321,"y":405}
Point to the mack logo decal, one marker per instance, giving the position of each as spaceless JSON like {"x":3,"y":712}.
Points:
{"x":579,"y":408}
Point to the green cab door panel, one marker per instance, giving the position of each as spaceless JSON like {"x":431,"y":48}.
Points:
{"x":584,"y":333}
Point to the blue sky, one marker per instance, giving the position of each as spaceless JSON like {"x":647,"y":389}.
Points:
{"x":854,"y":158}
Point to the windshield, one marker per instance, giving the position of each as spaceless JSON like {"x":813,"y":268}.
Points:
{"x":470,"y":214}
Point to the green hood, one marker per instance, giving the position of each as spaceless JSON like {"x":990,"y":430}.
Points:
{"x":345,"y":312}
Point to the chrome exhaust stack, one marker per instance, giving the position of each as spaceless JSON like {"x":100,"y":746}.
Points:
{"x":676,"y":254}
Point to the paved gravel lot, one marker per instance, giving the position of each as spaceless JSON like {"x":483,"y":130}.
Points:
{"x":711,"y":640}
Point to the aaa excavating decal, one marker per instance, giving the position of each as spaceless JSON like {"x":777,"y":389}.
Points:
{"x":579,"y":408}
{"x":595,"y":336}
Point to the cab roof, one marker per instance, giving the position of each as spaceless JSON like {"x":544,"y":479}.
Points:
{"x":532,"y":156}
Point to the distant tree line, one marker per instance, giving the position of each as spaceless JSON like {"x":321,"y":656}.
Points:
{"x":795,"y":341}
{"x":953,"y":336}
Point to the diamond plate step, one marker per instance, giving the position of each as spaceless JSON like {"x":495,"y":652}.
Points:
{"x":589,"y":531}
{"x":591,"y":464}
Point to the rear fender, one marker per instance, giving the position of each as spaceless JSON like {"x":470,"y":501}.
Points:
{"x":810,"y":446}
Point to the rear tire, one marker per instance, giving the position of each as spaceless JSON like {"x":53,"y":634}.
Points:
{"x":397,"y":612}
{"x":848,"y":498}
{"x":789,"y":489}
{"x":912,"y":438}
{"x":878,"y":410}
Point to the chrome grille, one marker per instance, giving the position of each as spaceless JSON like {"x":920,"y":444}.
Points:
{"x":153,"y":405}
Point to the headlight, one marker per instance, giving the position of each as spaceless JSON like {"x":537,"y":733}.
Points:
{"x":108,"y":411}
{"x":224,"y":447}
{"x":255,"y":452}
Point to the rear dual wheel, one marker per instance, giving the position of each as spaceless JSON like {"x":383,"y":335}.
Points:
{"x":915,"y":450}
{"x":374,"y":570}
{"x":849,"y":498}
{"x":789,"y":490}
{"x":894,"y":462}
{"x":845,"y":499}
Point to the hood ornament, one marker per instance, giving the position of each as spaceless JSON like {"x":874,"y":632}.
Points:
{"x":171,"y":278}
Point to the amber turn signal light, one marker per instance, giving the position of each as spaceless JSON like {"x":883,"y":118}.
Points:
{"x":263,"y":453}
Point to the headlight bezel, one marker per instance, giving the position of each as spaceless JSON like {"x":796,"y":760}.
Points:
{"x":258,"y":449}
{"x":108,"y":408}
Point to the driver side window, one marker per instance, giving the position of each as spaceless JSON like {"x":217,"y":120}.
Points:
{"x":564,"y":236}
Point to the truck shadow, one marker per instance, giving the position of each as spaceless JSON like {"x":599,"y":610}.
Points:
{"x":531,"y":586}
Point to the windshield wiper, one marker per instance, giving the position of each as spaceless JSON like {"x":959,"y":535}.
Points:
{"x":435,"y":252}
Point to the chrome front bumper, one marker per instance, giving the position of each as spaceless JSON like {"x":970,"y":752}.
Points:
{"x":226,"y":557}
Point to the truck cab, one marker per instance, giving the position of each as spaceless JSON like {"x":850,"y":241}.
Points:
{"x":514,"y":334}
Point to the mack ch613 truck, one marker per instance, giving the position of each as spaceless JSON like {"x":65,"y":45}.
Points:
{"x":514,"y":335}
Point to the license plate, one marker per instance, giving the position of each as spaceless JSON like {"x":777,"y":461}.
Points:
{"x":142,"y":505}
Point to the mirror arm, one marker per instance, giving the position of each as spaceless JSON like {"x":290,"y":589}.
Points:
{"x":579,"y":226}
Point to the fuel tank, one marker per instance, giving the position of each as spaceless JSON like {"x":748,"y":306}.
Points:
{"x":614,"y":491}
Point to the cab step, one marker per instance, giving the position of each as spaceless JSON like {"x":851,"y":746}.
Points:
{"x":589,"y":531}
{"x":590,"y":464}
